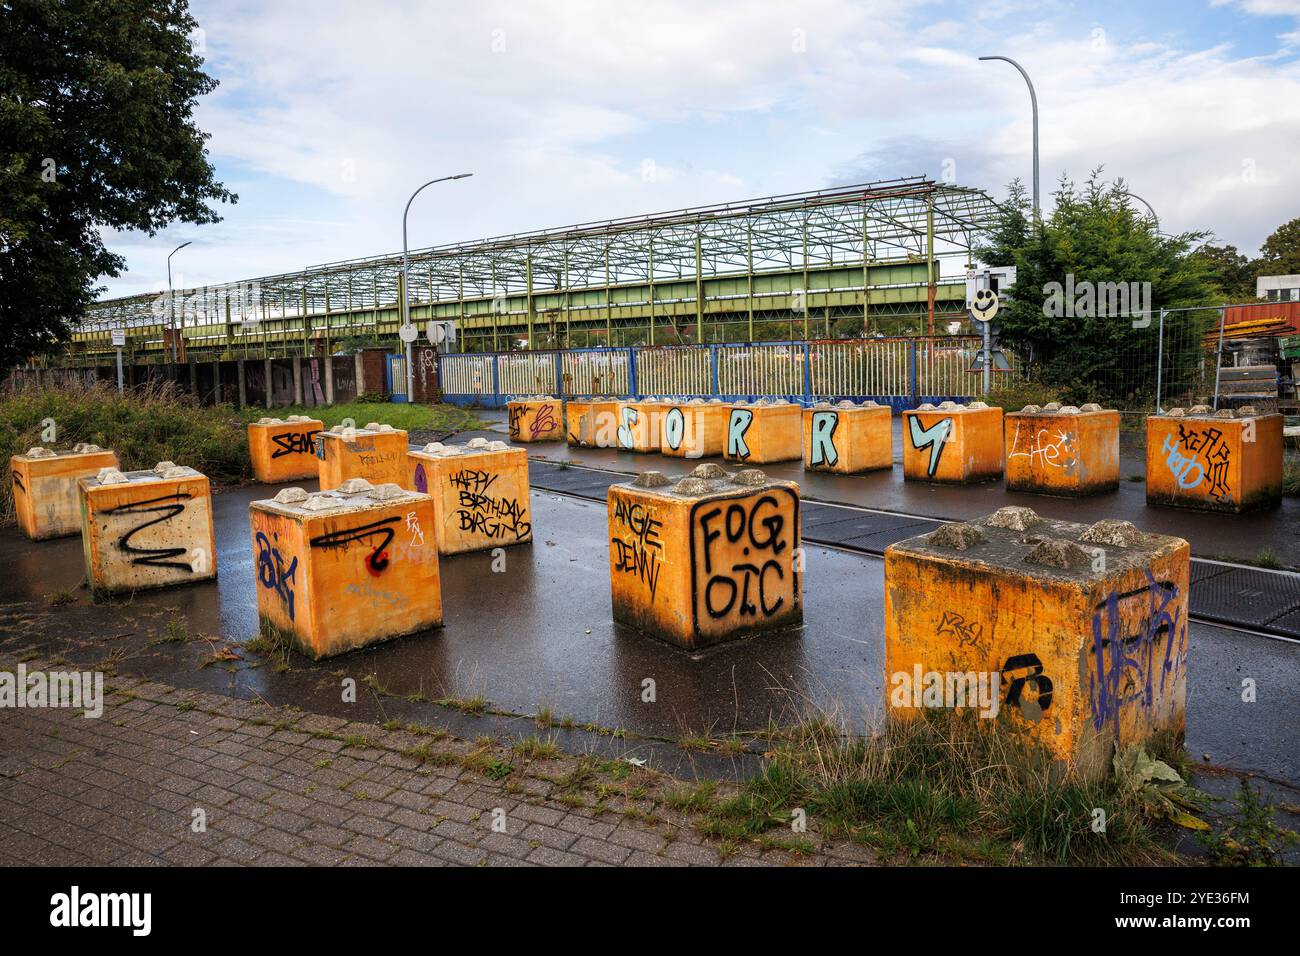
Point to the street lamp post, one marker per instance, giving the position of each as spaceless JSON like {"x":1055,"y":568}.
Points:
{"x":171,"y":300}
{"x":1151,"y":209}
{"x":406,"y":283}
{"x":1033,"y":101}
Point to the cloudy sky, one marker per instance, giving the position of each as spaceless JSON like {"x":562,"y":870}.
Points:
{"x":330,"y":112}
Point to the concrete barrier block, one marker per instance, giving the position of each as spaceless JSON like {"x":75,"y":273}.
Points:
{"x":952,"y":443}
{"x":342,"y":569}
{"x":1062,"y":450}
{"x":764,"y":432}
{"x":480,"y":493}
{"x":283,"y":449}
{"x":640,"y":425}
{"x":536,"y":418}
{"x":707,"y":559}
{"x":1080,"y":631}
{"x":1216,"y":461}
{"x":848,"y":438}
{"x":147,"y":529}
{"x":693,"y":429}
{"x":46,"y":499}
{"x":376,"y":453}
{"x":591,"y":423}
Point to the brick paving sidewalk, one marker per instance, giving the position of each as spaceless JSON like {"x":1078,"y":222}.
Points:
{"x":279,"y":787}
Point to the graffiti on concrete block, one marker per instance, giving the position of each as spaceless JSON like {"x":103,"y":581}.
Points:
{"x":165,"y":507}
{"x":1139,"y":649}
{"x":273,"y":574}
{"x":737,"y":425}
{"x":481,"y":512}
{"x":674,"y":428}
{"x":421,"y":479}
{"x":966,"y":631}
{"x":1045,"y":451}
{"x":294,"y":443}
{"x":821,"y":439}
{"x":1199,"y":455}
{"x":934,"y":438}
{"x":1023,"y":673}
{"x":379,"y":534}
{"x":18,"y":482}
{"x":740,"y":558}
{"x":638,"y":549}
{"x":627,"y":421}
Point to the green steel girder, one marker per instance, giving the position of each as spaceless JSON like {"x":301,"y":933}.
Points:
{"x":869,"y":246}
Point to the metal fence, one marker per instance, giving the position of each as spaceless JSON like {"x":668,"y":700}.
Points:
{"x":902,"y":372}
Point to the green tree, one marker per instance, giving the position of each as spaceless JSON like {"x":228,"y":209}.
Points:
{"x":1280,"y":254}
{"x":1093,"y":235}
{"x":96,"y":132}
{"x":1231,"y":273}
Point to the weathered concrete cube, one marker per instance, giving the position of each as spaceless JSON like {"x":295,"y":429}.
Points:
{"x":640,"y":425}
{"x":693,"y":429}
{"x":764,"y":432}
{"x":479,"y":491}
{"x":536,"y":418}
{"x":283,"y":449}
{"x":1062,"y":450}
{"x":1079,"y":631}
{"x":848,"y":439}
{"x":708,"y":559}
{"x":147,"y":529}
{"x":342,"y":569}
{"x":592,"y":422}
{"x":46,"y":499}
{"x":376,"y":453}
{"x":1229,"y":460}
{"x":958,"y":444}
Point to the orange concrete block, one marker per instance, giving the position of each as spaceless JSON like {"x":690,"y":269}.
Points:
{"x":46,"y":499}
{"x":1078,"y":632}
{"x":708,"y":559}
{"x":342,"y":569}
{"x":147,"y":529}
{"x":952,"y":443}
{"x":592,"y":422}
{"x":376,"y":453}
{"x":283,"y":450}
{"x":479,"y":491}
{"x":1068,"y":451}
{"x":536,"y":418}
{"x":1218,"y":461}
{"x":764,"y":432}
{"x":848,"y":438}
{"x":694,"y":429}
{"x":640,"y":425}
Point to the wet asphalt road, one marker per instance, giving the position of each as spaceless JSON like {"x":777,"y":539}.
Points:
{"x":540,"y":635}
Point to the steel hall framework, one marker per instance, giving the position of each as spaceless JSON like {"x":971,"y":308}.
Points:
{"x":874,"y":252}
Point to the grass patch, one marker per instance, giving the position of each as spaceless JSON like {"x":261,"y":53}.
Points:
{"x":535,"y":748}
{"x":398,"y":414}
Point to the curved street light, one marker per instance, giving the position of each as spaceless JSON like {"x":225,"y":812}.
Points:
{"x":171,"y":300}
{"x":406,"y":299}
{"x":1033,"y":102}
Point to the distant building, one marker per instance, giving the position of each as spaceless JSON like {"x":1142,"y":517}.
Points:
{"x":1278,"y":288}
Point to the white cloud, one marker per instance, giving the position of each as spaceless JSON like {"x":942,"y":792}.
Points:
{"x":330,"y":113}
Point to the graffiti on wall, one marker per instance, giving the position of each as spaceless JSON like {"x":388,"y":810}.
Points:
{"x":1199,"y":455}
{"x":821,"y":439}
{"x":967,"y":632}
{"x":934,"y":438}
{"x":638,"y":549}
{"x":1139,"y":649}
{"x":272,"y":572}
{"x":480,"y":511}
{"x":741,"y":565}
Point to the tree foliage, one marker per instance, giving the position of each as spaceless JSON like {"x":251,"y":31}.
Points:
{"x":1094,"y":235}
{"x":96,"y":133}
{"x":1280,"y":254}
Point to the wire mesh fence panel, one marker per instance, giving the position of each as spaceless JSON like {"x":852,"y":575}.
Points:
{"x":596,"y":372}
{"x":860,"y":368}
{"x":467,"y":374}
{"x":674,"y":371}
{"x":1188,"y":358}
{"x":761,"y":369}
{"x":527,"y":373}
